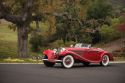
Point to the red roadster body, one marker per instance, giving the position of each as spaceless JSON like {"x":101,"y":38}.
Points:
{"x":80,"y":53}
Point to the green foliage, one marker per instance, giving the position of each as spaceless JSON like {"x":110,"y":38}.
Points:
{"x":109,"y":33}
{"x":36,"y":41}
{"x":59,"y":43}
{"x":16,"y":6}
{"x":87,"y":39}
{"x":83,"y":2}
{"x":99,"y":13}
{"x":116,"y":21}
{"x":100,"y":9}
{"x":67,"y":26}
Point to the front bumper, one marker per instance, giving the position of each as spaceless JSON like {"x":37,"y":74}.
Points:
{"x":52,"y":60}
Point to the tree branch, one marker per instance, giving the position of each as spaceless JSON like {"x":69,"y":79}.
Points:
{"x":24,"y":17}
{"x":5,"y":14}
{"x":27,"y":12}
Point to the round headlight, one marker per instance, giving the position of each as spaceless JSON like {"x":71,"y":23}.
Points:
{"x":54,"y":50}
{"x":62,"y":49}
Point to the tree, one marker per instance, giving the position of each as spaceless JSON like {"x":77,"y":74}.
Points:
{"x":121,"y":27}
{"x":68,"y":23}
{"x":37,"y":40}
{"x":69,"y":20}
{"x":98,"y":14}
{"x":21,"y":13}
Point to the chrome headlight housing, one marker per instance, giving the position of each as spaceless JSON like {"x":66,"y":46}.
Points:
{"x":57,"y":51}
{"x":62,"y":49}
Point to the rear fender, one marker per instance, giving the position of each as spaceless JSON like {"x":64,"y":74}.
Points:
{"x":109,"y":54}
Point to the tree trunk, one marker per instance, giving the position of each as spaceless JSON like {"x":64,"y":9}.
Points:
{"x":22,"y":42}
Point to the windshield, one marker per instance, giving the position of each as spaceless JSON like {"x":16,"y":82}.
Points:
{"x":80,"y":45}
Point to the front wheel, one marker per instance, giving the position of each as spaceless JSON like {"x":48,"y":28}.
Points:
{"x":67,"y":61}
{"x":48,"y":64}
{"x":105,"y":60}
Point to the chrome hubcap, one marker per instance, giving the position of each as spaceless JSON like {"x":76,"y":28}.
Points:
{"x":68,"y":61}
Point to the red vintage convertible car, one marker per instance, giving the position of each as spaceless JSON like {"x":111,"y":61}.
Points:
{"x":80,"y":53}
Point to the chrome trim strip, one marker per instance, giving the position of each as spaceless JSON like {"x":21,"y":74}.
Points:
{"x":45,"y":59}
{"x":53,"y":60}
{"x":58,"y":60}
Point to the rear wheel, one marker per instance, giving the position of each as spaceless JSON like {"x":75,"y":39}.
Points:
{"x":67,"y":61}
{"x":105,"y":60}
{"x":47,"y":63}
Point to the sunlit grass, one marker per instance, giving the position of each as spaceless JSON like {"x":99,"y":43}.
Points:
{"x":8,"y":42}
{"x":6,"y":34}
{"x":20,"y":60}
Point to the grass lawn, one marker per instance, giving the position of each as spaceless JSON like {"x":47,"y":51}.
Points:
{"x":8,"y":42}
{"x":17,"y":60}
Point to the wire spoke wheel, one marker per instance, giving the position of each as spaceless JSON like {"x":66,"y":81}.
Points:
{"x":67,"y":61}
{"x":105,"y":60}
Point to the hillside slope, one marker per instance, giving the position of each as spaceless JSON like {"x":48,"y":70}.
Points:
{"x":117,"y":3}
{"x":8,"y":41}
{"x":114,"y":45}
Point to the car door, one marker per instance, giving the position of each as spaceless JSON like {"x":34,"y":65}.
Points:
{"x":92,"y":54}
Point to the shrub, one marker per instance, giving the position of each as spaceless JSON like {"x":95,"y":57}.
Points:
{"x":60,"y":43}
{"x":109,"y":33}
{"x":87,"y":39}
{"x":36,"y":41}
{"x":57,"y":43}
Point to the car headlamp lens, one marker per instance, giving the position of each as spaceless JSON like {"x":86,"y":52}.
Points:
{"x":54,"y":50}
{"x":62,"y":49}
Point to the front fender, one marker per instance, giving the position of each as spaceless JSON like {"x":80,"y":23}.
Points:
{"x":64,"y":53}
{"x":49,"y":53}
{"x":75,"y":55}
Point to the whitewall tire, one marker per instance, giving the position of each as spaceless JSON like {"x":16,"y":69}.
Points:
{"x":67,"y":61}
{"x":105,"y":60}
